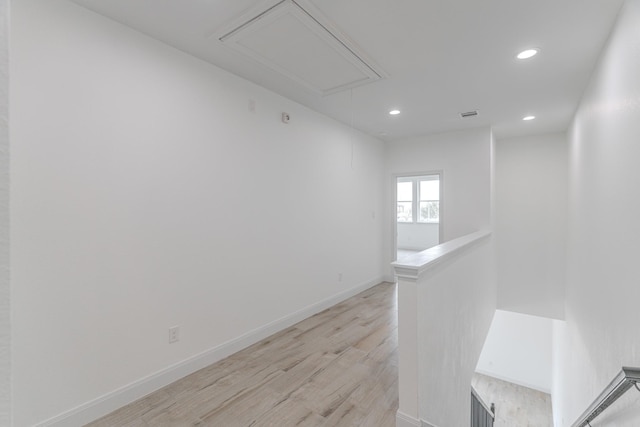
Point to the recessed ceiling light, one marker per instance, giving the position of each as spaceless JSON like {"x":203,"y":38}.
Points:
{"x":526,"y":54}
{"x":527,"y":118}
{"x":394,"y":112}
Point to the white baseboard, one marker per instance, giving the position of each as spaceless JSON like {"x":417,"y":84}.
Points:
{"x":108,"y":403}
{"x":390,"y":279}
{"x":404,"y":420}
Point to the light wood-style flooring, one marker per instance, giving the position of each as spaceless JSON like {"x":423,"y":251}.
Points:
{"x":515,"y":405}
{"x":337,"y":368}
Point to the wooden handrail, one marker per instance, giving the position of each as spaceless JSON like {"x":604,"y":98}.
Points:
{"x":627,"y":378}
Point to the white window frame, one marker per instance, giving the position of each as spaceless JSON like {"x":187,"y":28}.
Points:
{"x":394,"y":207}
{"x":412,"y":201}
{"x":415,"y":202}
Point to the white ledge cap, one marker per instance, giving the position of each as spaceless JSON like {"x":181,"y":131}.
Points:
{"x":413,"y":265}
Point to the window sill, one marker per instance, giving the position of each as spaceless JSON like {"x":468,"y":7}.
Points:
{"x":419,"y":223}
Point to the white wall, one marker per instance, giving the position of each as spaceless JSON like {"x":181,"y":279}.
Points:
{"x":518,"y":350}
{"x":530,"y":224}
{"x":602,"y":316}
{"x":418,"y":236}
{"x":464,"y":158}
{"x":145,"y":194}
{"x":456,"y":302}
{"x":5,"y":295}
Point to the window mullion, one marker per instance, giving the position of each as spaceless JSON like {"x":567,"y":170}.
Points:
{"x":416,"y":200}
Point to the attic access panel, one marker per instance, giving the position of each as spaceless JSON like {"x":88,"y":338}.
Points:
{"x":290,"y":40}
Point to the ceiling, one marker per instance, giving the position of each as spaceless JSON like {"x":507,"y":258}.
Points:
{"x":437,"y":58}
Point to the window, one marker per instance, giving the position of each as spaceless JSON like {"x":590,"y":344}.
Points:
{"x":405,"y":201}
{"x":425,"y":191}
{"x":429,"y":200}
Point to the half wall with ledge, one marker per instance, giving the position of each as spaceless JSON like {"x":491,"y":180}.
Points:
{"x":446,"y":301}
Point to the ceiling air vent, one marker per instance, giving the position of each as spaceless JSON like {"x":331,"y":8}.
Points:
{"x":294,"y":39}
{"x":469,"y":114}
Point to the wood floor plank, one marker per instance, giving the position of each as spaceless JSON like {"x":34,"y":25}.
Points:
{"x":337,"y":368}
{"x":289,"y":412}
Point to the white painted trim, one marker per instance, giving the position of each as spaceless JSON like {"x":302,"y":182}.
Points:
{"x":404,"y":420}
{"x":427,"y":424}
{"x":513,"y":381}
{"x":108,"y":403}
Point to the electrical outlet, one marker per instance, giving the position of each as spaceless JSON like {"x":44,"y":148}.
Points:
{"x":174,"y":334}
